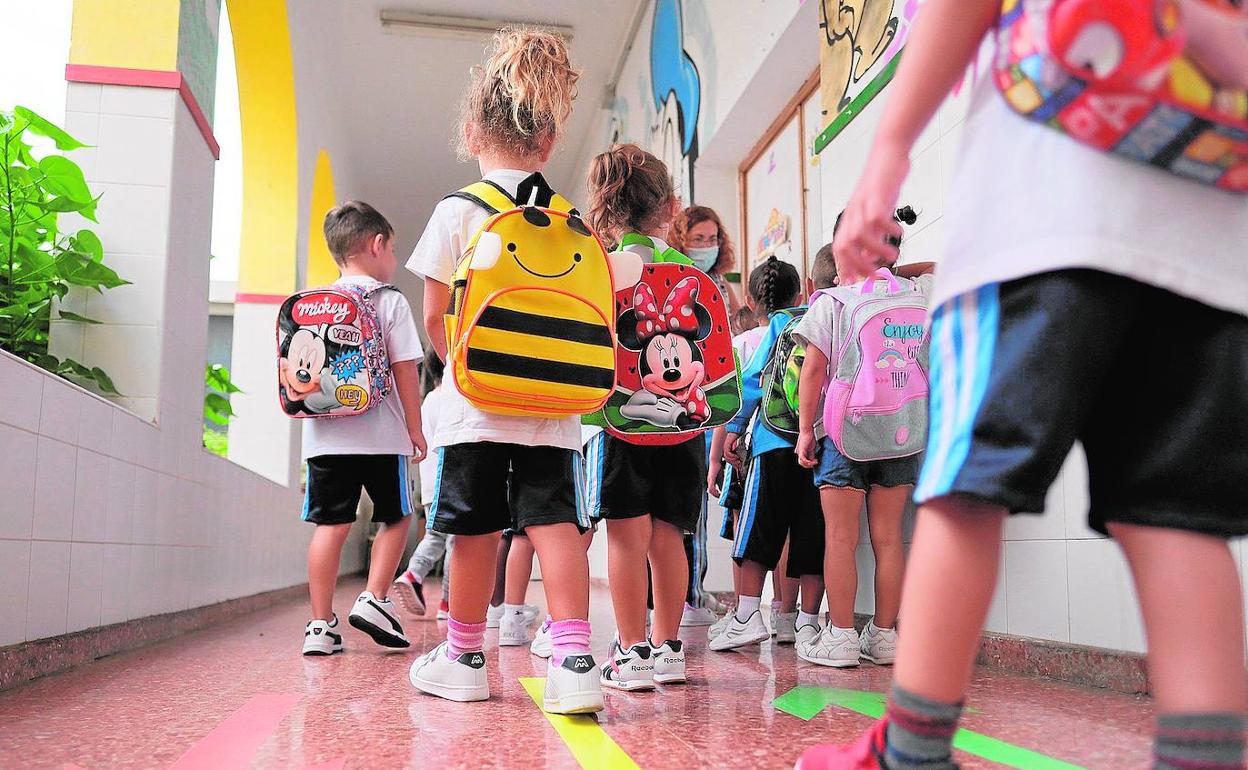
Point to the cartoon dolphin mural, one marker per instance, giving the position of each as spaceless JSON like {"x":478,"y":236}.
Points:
{"x":677,"y":91}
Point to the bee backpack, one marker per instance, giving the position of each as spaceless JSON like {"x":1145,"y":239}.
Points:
{"x":530,"y":328}
{"x":677,"y":374}
{"x":331,"y":353}
{"x":1112,"y":74}
{"x":875,"y":407}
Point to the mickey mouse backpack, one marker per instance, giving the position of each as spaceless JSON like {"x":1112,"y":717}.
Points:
{"x":531,"y":328}
{"x":677,"y":374}
{"x":1112,"y":74}
{"x":331,"y":352}
{"x":875,"y":407}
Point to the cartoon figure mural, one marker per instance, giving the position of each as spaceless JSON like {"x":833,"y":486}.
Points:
{"x":857,"y":33}
{"x":677,"y":92}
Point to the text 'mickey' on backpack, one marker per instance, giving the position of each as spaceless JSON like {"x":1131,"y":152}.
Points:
{"x":876,"y":404}
{"x":531,"y":328}
{"x":331,"y":351}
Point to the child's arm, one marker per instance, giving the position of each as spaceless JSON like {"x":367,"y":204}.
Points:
{"x":716,"y":463}
{"x":437,"y":300}
{"x":946,"y":34}
{"x":809,"y":389}
{"x":407,"y":385}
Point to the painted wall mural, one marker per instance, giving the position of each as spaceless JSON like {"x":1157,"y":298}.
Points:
{"x":860,"y":41}
{"x":676,"y":89}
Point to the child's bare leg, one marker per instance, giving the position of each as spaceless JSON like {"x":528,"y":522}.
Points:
{"x":841,"y":508}
{"x":474,"y":567}
{"x":885,"y":507}
{"x":753,"y":576}
{"x":812,"y":593}
{"x":1185,"y":581}
{"x":324,"y":553}
{"x":500,"y":571}
{"x":670,"y":571}
{"x":387,"y":550}
{"x":519,"y":570}
{"x":786,"y":587}
{"x":628,"y":541}
{"x":565,"y":569}
{"x":949,"y":583}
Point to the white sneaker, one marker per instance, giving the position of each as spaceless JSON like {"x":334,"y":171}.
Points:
{"x":410,"y":594}
{"x":718,"y":626}
{"x":379,"y":619}
{"x":835,"y":647}
{"x":669,"y":662}
{"x":573,"y":687}
{"x":541,"y":646}
{"x":493,"y":616}
{"x":462,"y":679}
{"x":631,"y":669}
{"x":784,"y":627}
{"x":531,"y":612}
{"x":513,"y":629}
{"x":322,"y":637}
{"x":879,"y":645}
{"x":805,"y":636}
{"x":738,"y":634}
{"x":697,"y":616}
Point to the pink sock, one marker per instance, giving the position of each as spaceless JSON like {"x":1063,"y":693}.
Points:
{"x":568,"y":637}
{"x":464,"y":637}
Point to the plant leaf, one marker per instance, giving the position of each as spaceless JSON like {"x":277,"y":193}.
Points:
{"x":37,"y":124}
{"x":88,"y":241}
{"x":104,"y":381}
{"x":65,"y":315}
{"x":63,"y":177}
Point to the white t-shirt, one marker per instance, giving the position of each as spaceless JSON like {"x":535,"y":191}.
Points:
{"x":444,"y":241}
{"x":747,"y":342}
{"x":383,"y":429}
{"x":428,"y":468}
{"x":1025,"y":200}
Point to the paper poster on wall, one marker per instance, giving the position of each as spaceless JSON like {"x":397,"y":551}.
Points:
{"x":777,"y":238}
{"x":860,"y":44}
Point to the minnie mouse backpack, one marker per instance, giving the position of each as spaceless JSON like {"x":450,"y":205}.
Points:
{"x":677,"y":374}
{"x":1112,"y":74}
{"x":331,"y":352}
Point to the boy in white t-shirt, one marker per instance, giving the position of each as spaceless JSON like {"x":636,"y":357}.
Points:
{"x":369,"y":451}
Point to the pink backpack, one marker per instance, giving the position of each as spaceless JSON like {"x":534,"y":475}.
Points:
{"x":876,"y":403}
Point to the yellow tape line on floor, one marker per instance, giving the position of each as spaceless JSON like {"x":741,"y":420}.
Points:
{"x":589,"y":743}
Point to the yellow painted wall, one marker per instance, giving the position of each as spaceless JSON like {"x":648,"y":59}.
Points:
{"x":266,"y":100}
{"x":140,"y":34}
{"x":321,"y":266}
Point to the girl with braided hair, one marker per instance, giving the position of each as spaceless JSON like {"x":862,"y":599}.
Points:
{"x":778,"y":503}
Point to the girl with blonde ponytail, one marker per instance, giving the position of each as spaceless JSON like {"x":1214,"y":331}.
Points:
{"x":496,"y":472}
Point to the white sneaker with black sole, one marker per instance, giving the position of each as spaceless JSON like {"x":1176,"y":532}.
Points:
{"x":513,"y":629}
{"x":462,"y":679}
{"x":631,"y":669}
{"x":669,"y":662}
{"x":378,"y":618}
{"x":322,"y":637}
{"x":741,"y":634}
{"x":834,"y":647}
{"x":541,"y":646}
{"x":784,"y":627}
{"x":573,"y":687}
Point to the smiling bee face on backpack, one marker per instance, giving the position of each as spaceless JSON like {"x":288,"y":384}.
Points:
{"x":536,"y":246}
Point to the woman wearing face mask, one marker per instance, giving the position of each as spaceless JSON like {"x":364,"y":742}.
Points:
{"x":699,"y":233}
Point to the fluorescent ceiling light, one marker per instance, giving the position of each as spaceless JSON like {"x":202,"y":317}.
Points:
{"x":397,"y":22}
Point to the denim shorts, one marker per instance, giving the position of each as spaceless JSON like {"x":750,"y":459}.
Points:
{"x":837,"y":470}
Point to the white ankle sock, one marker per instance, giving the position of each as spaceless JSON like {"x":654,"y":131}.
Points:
{"x":807,"y":619}
{"x":512,"y":609}
{"x":747,"y":606}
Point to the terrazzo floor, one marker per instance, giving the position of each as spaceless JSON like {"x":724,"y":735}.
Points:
{"x":240,"y":696}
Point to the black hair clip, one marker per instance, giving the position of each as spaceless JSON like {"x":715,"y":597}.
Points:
{"x":906,"y":215}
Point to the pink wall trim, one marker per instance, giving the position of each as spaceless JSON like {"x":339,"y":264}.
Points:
{"x":124,"y":76}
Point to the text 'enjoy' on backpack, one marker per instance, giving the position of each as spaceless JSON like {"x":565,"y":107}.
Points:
{"x":875,"y":407}
{"x":531,"y":328}
{"x":1112,"y":74}
{"x":332,"y":359}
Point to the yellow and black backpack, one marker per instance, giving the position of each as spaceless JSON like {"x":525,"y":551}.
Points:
{"x":531,"y":324}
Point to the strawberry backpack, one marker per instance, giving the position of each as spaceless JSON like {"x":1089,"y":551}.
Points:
{"x":677,"y":373}
{"x":876,"y":403}
{"x":1112,"y":74}
{"x":331,"y":352}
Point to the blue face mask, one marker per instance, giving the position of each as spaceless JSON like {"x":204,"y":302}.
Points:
{"x":704,"y":258}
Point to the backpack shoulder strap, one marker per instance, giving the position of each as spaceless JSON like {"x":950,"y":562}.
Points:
{"x":485,"y":194}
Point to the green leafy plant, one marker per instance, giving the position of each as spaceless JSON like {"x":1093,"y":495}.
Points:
{"x":39,"y":263}
{"x":218,"y":387}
